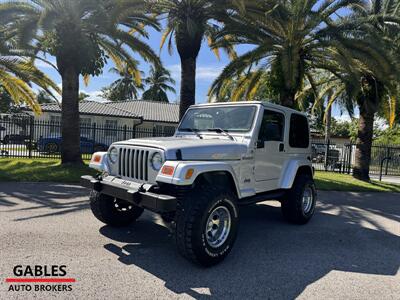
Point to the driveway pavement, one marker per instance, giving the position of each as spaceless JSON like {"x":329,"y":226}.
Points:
{"x":387,"y":178}
{"x":350,"y":250}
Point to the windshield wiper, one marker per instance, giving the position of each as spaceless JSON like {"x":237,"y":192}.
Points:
{"x":195,"y":131}
{"x":220,"y":130}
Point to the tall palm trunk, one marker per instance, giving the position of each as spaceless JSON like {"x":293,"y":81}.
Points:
{"x":188,"y":84}
{"x":70,"y":148}
{"x":364,"y":144}
{"x":287,"y":98}
{"x":368,"y":103}
{"x":188,"y":48}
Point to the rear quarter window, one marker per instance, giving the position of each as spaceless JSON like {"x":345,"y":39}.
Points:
{"x":299,"y":136}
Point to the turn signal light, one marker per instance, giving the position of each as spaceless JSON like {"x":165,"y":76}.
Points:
{"x":96,"y":158}
{"x":167,"y":170}
{"x":189,"y":174}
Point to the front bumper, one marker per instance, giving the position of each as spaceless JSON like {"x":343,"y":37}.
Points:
{"x":139,"y":194}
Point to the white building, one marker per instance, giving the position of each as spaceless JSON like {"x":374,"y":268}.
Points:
{"x":144,"y":117}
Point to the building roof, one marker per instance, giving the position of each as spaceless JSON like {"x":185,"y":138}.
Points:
{"x":150,"y":110}
{"x":94,"y":108}
{"x":147,"y":110}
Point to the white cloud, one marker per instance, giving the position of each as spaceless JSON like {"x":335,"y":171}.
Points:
{"x":94,"y":96}
{"x":202,"y":73}
{"x":343,"y":118}
{"x":41,"y":64}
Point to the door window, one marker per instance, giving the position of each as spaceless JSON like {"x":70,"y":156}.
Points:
{"x":272,"y":127}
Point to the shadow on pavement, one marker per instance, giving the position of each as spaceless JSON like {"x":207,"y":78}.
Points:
{"x":60,"y":198}
{"x":271,"y":259}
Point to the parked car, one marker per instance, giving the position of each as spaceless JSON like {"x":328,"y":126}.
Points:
{"x":222,"y":155}
{"x":12,"y":135}
{"x":53,"y":145}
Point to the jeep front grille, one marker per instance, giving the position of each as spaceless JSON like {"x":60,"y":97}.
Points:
{"x":133,"y":163}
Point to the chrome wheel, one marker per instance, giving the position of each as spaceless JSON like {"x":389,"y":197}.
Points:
{"x":308,"y":199}
{"x":218,"y":226}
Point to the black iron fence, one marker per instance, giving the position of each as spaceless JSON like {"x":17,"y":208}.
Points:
{"x":337,"y":157}
{"x":29,"y":138}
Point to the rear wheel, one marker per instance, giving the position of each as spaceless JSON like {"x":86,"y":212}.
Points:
{"x":206,"y":225}
{"x":298,"y":204}
{"x":113,"y":211}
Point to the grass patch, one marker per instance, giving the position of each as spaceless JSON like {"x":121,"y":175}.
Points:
{"x":50,"y":170}
{"x":41,"y":170}
{"x":329,"y":181}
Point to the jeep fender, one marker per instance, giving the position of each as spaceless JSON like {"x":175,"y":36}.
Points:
{"x":181,"y":170}
{"x":290,"y":171}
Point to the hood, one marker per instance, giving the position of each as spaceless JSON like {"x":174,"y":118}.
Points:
{"x":193,"y":148}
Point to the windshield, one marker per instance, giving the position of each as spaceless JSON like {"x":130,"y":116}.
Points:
{"x":227,"y":118}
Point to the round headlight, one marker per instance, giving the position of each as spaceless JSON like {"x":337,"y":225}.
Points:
{"x":113,"y":155}
{"x":156,"y":161}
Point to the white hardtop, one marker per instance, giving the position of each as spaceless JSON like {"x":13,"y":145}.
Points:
{"x":238,"y":103}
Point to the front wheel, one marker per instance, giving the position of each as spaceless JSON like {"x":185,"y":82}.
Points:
{"x":206,"y":225}
{"x":298,"y":204}
{"x":113,"y":211}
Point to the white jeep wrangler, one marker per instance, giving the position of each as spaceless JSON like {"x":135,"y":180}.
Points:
{"x":221,"y":156}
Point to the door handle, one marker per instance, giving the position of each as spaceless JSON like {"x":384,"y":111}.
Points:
{"x":281,"y":147}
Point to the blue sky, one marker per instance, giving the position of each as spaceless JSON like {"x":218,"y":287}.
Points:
{"x":208,"y":68}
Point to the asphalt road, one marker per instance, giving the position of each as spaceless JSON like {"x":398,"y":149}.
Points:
{"x":350,"y":250}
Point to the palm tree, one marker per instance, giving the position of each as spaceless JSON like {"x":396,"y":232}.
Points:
{"x":290,"y":39}
{"x":17,"y":72}
{"x":159,"y":83}
{"x":189,"y":22}
{"x":373,"y":75}
{"x":126,"y":87}
{"x":82,"y":35}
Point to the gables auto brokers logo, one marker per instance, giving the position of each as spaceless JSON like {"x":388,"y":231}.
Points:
{"x":38,"y":278}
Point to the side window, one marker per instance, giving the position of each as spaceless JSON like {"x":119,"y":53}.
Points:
{"x":299,"y":136}
{"x":272,"y":127}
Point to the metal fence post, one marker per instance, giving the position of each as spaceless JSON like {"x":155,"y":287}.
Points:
{"x":125,"y":132}
{"x":93,"y":135}
{"x":349,"y":160}
{"x":387,"y":161}
{"x":326,"y":154}
{"x":31,"y":128}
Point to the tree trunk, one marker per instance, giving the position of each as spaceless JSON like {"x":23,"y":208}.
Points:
{"x":364,"y":144}
{"x":328,"y":124}
{"x":70,"y":148}
{"x":188,"y":84}
{"x":287,"y":98}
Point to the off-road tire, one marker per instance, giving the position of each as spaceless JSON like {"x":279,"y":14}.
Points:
{"x":292,"y":202}
{"x":168,"y":217}
{"x":193,"y":210}
{"x":103,"y":208}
